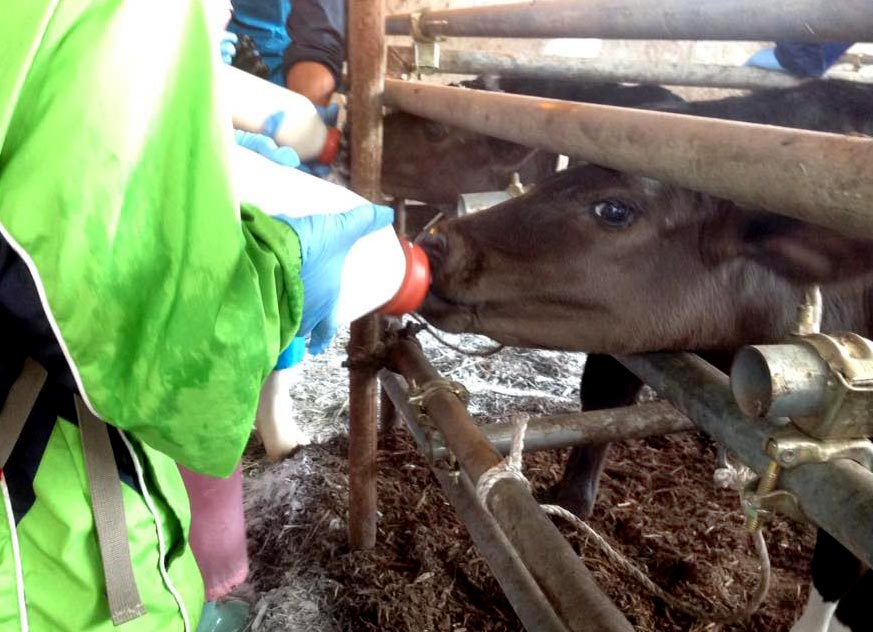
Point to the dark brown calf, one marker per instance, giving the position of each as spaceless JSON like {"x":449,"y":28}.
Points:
{"x":435,"y":163}
{"x":605,"y":262}
{"x":600,"y":261}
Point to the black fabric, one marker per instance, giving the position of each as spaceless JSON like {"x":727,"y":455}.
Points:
{"x":25,"y":331}
{"x":809,"y":60}
{"x":318,"y":33}
{"x":24,"y":328}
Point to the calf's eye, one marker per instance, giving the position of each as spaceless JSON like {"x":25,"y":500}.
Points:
{"x":613,"y":213}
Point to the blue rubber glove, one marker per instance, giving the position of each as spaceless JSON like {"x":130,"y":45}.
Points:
{"x":801,"y":60}
{"x":766,"y":59}
{"x":324,"y":242}
{"x":268,"y":148}
{"x":329,"y":113}
{"x":228,"y":46}
{"x":809,"y":60}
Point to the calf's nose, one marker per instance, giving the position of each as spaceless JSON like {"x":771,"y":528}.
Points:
{"x":436,"y":247}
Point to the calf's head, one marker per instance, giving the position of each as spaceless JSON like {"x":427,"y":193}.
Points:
{"x":430,"y":162}
{"x":600,"y":261}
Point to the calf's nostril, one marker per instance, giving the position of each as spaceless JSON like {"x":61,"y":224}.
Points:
{"x":436,"y":247}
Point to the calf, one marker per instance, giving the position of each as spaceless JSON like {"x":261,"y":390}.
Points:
{"x":430,"y":162}
{"x":600,"y":261}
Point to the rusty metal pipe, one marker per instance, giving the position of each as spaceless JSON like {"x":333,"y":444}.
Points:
{"x":366,"y":70}
{"x":592,"y":427}
{"x":520,"y":588}
{"x":655,"y":72}
{"x":559,"y":572}
{"x":825,"y":179}
{"x":790,"y":20}
{"x":837,"y":496}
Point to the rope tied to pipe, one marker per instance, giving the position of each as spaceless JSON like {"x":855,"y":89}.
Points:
{"x":419,"y":395}
{"x":511,"y":468}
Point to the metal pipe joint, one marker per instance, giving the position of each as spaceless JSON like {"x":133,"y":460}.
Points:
{"x":824,"y":383}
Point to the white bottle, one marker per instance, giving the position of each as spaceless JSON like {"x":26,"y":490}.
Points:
{"x":251,"y":100}
{"x":379,"y":268}
{"x":381,"y":271}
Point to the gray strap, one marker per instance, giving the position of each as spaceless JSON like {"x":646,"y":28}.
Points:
{"x":108,"y":507}
{"x":16,"y":409}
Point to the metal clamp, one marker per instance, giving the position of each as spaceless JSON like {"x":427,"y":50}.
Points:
{"x":425,"y":48}
{"x":822,"y":382}
{"x":417,"y":33}
{"x":760,"y":497}
{"x":761,"y":506}
{"x":848,"y":399}
{"x":849,"y":355}
{"x":761,"y":500}
{"x":791,"y":449}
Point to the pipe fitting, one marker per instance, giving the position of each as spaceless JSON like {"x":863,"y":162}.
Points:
{"x":787,"y":380}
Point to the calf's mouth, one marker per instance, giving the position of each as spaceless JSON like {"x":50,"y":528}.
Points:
{"x":447,"y":314}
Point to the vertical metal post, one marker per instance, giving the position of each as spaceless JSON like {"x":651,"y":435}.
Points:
{"x":366,"y":71}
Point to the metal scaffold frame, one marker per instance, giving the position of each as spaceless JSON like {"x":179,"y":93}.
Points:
{"x":815,"y":177}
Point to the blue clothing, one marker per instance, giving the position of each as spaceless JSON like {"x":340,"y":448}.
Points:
{"x":264,"y":21}
{"x":809,"y":60}
{"x":313,"y":30}
{"x":318,"y":33}
{"x":293,"y":353}
{"x":324,"y":242}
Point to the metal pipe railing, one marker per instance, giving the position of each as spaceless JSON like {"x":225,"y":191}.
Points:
{"x":655,"y":72}
{"x":520,"y":588}
{"x":366,"y":69}
{"x":826,"y":179}
{"x":557,"y":569}
{"x":592,"y":427}
{"x":837,"y":496}
{"x":789,"y":20}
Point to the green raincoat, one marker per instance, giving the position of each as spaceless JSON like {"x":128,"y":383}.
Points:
{"x":170,"y":305}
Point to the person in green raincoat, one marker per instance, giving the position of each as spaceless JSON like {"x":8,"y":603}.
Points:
{"x":136,"y":291}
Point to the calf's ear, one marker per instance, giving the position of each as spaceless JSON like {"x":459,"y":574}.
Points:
{"x":798,"y":251}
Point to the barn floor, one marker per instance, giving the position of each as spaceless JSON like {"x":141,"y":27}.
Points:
{"x":657,"y":505}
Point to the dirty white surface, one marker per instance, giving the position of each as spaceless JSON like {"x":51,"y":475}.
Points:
{"x":514,"y":380}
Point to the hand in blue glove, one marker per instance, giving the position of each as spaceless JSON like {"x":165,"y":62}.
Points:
{"x":314,"y":168}
{"x":228,"y":47}
{"x":268,"y":148}
{"x":766,"y":59}
{"x":324,"y":242}
{"x":801,"y":60}
{"x":329,"y":115}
